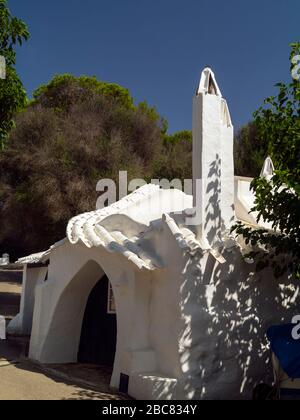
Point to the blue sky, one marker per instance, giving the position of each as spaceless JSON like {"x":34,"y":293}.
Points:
{"x":157,"y":48}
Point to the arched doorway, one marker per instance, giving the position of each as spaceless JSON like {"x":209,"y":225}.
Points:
{"x":99,"y":327}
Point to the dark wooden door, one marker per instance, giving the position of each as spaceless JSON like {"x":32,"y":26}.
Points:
{"x":99,"y":329}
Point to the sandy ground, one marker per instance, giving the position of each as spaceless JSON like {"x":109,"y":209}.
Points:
{"x":10,"y":288}
{"x":21,"y":381}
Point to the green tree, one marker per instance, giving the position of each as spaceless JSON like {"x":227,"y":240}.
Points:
{"x":12,"y":94}
{"x":65,"y":90}
{"x":249,"y":151}
{"x":75,"y":132}
{"x":278,"y":200}
{"x":175,"y":161}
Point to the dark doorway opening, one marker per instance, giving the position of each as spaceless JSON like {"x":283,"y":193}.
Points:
{"x":99,"y":328}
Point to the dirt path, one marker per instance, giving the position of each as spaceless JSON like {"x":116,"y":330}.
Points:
{"x":21,"y":381}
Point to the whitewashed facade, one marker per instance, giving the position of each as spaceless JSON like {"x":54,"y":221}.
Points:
{"x":191,"y":313}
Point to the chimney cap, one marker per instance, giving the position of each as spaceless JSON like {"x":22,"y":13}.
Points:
{"x":268,"y":169}
{"x":208,"y":83}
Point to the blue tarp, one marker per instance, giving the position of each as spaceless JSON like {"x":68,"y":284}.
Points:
{"x":286,"y":349}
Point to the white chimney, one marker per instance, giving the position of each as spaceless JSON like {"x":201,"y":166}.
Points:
{"x":212,"y":159}
{"x":268,"y":169}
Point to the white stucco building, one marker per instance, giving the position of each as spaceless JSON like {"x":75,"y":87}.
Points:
{"x":189,"y":315}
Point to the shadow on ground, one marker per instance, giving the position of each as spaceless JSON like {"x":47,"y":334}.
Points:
{"x":78,"y":382}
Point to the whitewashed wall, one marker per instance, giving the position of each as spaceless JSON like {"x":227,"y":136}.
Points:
{"x":22,"y":323}
{"x":193,"y":329}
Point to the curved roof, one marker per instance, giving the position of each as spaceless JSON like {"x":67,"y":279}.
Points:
{"x":122,"y":226}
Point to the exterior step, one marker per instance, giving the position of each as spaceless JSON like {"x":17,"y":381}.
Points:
{"x":152,"y":385}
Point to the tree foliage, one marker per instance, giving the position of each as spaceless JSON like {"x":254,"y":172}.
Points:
{"x":75,"y":132}
{"x":278,"y":200}
{"x":12,"y":94}
{"x":250,"y":151}
{"x":65,"y":90}
{"x":176,"y":160}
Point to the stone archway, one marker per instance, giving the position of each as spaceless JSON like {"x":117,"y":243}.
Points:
{"x":61,"y":342}
{"x":61,"y":302}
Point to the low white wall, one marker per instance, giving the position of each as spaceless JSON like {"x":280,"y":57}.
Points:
{"x":22,"y":323}
{"x":244,"y":200}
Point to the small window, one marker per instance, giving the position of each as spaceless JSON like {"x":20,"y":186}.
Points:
{"x":111,"y":307}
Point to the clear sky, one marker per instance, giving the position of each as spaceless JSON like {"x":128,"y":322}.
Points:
{"x":157,"y":48}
